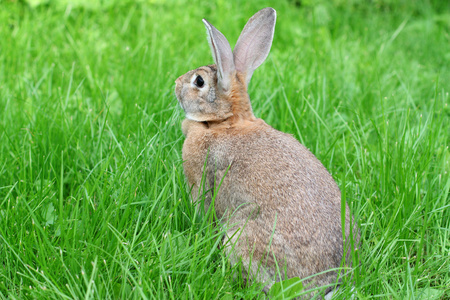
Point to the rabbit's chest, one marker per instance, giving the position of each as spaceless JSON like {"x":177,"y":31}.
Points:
{"x":203,"y":155}
{"x":222,"y":164}
{"x":195,"y":152}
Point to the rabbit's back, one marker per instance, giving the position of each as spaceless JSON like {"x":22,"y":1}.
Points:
{"x":274,"y":170}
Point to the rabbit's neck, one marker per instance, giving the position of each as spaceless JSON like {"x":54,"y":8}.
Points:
{"x":240,"y":100}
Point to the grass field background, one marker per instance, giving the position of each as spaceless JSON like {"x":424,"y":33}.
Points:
{"x":93,"y":202}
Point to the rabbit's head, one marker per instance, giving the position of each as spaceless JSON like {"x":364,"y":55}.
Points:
{"x":219,"y":92}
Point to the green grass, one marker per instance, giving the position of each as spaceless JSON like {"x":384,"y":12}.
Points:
{"x":93,"y":202}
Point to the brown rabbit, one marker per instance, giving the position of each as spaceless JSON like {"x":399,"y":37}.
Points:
{"x":283,"y":207}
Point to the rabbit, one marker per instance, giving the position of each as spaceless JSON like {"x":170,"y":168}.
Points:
{"x":282,"y":205}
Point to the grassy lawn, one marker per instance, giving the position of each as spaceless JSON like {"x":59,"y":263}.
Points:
{"x":93,"y":201}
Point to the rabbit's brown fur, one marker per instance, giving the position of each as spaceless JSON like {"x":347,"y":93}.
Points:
{"x":274,"y":191}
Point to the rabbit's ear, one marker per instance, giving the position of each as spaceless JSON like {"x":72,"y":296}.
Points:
{"x":223,"y":57}
{"x":255,"y":41}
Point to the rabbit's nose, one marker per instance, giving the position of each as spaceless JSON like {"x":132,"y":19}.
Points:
{"x":178,"y":80}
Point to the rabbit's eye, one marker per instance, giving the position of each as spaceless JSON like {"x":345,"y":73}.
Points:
{"x":199,"y":81}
